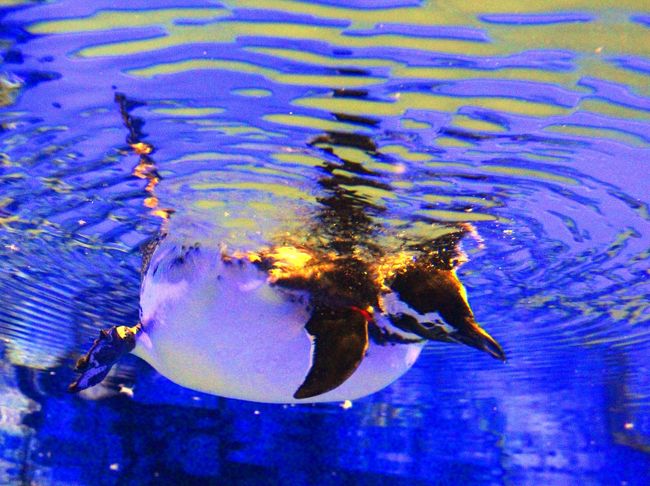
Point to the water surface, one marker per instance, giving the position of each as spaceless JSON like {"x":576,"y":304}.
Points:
{"x":530,"y":122}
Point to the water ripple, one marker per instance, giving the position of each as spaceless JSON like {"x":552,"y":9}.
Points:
{"x":248,"y":117}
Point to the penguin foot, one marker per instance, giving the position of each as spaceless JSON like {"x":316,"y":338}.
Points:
{"x":106,"y":350}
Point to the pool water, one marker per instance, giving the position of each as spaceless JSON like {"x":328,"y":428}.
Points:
{"x":530,"y":122}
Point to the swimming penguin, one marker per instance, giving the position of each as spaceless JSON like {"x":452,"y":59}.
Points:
{"x":330,"y":316}
{"x":287,"y":324}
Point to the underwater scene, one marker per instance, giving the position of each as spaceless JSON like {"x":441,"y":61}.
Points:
{"x":373,"y":242}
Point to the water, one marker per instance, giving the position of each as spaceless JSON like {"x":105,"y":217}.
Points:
{"x":530,"y":122}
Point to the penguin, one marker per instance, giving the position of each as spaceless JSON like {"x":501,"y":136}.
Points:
{"x":331,"y":316}
{"x":289,"y":324}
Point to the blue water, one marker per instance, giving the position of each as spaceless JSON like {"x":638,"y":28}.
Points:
{"x":529,"y":122}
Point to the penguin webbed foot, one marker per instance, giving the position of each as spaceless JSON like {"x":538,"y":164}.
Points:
{"x":106,"y":350}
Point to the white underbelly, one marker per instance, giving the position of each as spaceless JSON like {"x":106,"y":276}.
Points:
{"x":221,"y":329}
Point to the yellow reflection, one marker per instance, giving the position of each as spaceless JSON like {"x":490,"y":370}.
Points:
{"x":447,"y":73}
{"x":435,"y":198}
{"x":459,"y":165}
{"x":351,"y":105}
{"x":8,"y":92}
{"x":263,"y":188}
{"x":599,"y":133}
{"x":242,"y":129}
{"x":399,"y":69}
{"x":256,"y":169}
{"x":421,"y":231}
{"x":452,"y":142}
{"x":209,"y":204}
{"x":437,"y":102}
{"x":603,"y":107}
{"x":635,"y":81}
{"x":228,"y":32}
{"x":374,"y":195}
{"x":611,"y":33}
{"x":189,"y":111}
{"x":238,"y":223}
{"x":403,"y":153}
{"x":245,"y":67}
{"x":252,"y":92}
{"x":206,"y":156}
{"x":538,"y":157}
{"x":112,"y":19}
{"x":360,"y":17}
{"x":410,"y":124}
{"x":470,"y":123}
{"x":312,"y":122}
{"x":404,"y":185}
{"x":345,"y":174}
{"x":328,"y":81}
{"x":441,"y":13}
{"x":456,"y":216}
{"x":321,"y":60}
{"x":298,"y":159}
{"x":352,"y":154}
{"x":528,"y":174}
{"x":7,"y":220}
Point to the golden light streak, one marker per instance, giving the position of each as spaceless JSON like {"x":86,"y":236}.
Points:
{"x":142,"y":148}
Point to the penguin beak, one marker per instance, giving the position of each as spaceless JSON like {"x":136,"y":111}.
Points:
{"x":473,"y":335}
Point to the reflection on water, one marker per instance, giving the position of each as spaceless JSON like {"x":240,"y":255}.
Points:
{"x":529,"y":122}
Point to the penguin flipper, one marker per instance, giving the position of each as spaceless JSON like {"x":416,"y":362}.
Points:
{"x":340,"y":341}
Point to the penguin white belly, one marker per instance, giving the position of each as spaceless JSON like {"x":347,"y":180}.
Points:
{"x":221,"y":328}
